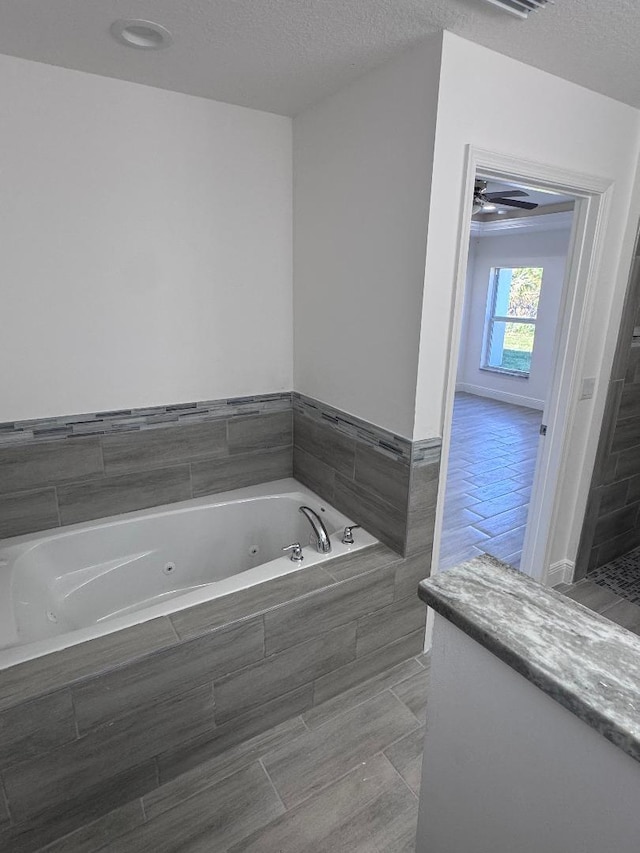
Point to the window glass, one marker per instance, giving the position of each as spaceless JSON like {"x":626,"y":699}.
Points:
{"x":512,"y":313}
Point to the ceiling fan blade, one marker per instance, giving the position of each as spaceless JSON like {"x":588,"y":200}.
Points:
{"x":508,"y":194}
{"x":525,"y":205}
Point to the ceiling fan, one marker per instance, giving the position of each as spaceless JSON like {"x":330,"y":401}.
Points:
{"x":508,"y":198}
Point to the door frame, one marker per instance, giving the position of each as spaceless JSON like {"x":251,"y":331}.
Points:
{"x":591,"y":212}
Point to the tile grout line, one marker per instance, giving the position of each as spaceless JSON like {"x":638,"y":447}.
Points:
{"x":180,"y":803}
{"x":74,"y":714}
{"x":387,"y":689}
{"x":400,"y":776}
{"x":406,"y":734}
{"x":5,"y":799}
{"x":219,"y":775}
{"x":304,"y":723}
{"x":260,"y":761}
{"x":108,"y":842}
{"x":393,"y":687}
{"x":317,"y":791}
{"x":101,"y":448}
{"x":174,"y":629}
{"x":55,"y":495}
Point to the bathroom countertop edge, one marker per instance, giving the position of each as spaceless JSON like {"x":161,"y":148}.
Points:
{"x":544,"y":636}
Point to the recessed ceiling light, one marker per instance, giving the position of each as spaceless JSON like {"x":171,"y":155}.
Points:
{"x":144,"y":35}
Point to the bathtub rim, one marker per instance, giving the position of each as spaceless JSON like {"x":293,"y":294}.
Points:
{"x":18,"y":654}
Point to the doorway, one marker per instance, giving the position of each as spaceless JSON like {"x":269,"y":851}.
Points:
{"x":515,"y":280}
{"x":546,"y":518}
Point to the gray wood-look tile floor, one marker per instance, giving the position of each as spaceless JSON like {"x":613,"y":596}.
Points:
{"x":491,"y":465}
{"x":605,"y":602}
{"x":343,"y":776}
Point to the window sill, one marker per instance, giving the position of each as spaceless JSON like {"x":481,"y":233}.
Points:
{"x":518,"y":374}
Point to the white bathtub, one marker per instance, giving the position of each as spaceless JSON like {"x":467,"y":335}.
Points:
{"x":62,"y":587}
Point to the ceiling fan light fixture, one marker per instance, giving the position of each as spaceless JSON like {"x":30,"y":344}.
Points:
{"x":490,"y":202}
{"x":520,"y":8}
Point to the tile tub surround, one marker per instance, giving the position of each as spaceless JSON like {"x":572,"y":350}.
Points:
{"x":612,"y":520}
{"x":585,"y":662}
{"x":386,"y":483}
{"x":67,"y":470}
{"x":90,"y":728}
{"x":55,"y":472}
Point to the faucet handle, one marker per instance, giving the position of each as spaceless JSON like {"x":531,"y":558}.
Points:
{"x":347,"y":537}
{"x":296,"y":552}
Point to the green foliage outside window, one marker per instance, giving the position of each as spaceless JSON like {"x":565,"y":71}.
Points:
{"x":515,"y":294}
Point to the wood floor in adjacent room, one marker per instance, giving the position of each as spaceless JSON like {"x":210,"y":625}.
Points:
{"x":491,"y":466}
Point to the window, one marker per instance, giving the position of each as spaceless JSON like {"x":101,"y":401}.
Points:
{"x":512,"y":311}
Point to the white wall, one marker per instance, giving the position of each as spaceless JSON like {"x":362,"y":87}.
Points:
{"x":506,"y":768}
{"x":546,"y":249}
{"x":496,"y":103}
{"x":566,"y":126}
{"x":362,"y":173}
{"x":146,"y":245}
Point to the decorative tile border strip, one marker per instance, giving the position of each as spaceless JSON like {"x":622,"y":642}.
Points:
{"x":132,"y":420}
{"x":426,"y":451}
{"x":157,"y":417}
{"x":396,"y":446}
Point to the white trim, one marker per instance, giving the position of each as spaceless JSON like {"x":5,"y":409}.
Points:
{"x":560,"y":572}
{"x":503,"y":396}
{"x":549,"y":222}
{"x":428,"y":634}
{"x":593,"y":195}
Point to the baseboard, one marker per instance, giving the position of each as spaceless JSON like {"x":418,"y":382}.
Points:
{"x":503,"y":396}
{"x":560,"y":572}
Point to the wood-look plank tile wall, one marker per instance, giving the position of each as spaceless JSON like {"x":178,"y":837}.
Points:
{"x":376,"y":480}
{"x":612,"y":521}
{"x":67,"y":480}
{"x":390,"y":494}
{"x":89,"y":728}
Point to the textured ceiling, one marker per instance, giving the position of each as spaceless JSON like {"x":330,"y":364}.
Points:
{"x":282,"y":55}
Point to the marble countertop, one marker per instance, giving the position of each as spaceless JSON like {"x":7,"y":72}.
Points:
{"x":589,"y":665}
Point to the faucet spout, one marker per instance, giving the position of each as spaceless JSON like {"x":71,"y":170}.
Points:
{"x":323,"y":543}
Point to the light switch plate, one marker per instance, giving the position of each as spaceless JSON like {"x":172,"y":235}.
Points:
{"x":588,"y":388}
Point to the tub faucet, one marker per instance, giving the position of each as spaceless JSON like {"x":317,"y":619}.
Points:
{"x":323,"y":543}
